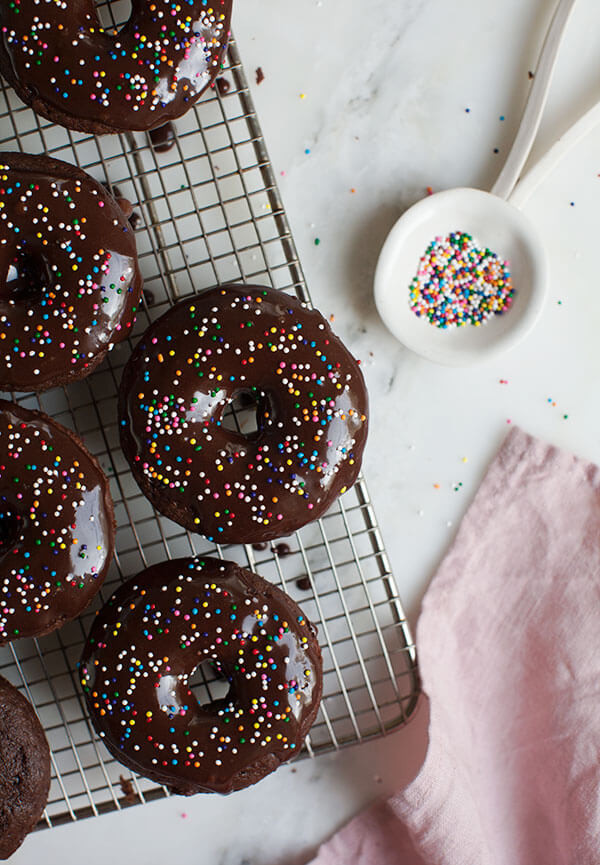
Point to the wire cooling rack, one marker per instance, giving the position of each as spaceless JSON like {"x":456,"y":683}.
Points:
{"x":209,"y":212}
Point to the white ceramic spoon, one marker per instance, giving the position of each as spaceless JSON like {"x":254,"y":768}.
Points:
{"x":492,"y":219}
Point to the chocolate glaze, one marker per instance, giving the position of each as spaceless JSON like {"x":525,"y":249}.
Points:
{"x":70,"y":281}
{"x":156,"y":630}
{"x":192,"y":363}
{"x":62,"y":63}
{"x":135,"y":220}
{"x":25,"y":775}
{"x":60,"y":539}
{"x":163,"y":138}
{"x":223,"y":86}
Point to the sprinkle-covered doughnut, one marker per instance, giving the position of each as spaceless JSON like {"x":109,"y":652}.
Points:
{"x":311,"y":414}
{"x":70,"y":282}
{"x":25,"y":769}
{"x":156,"y":630}
{"x":69,"y":69}
{"x":56,"y":524}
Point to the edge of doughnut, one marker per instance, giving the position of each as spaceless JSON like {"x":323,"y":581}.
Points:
{"x":108,"y":504}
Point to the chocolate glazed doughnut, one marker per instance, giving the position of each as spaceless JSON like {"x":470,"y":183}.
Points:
{"x":69,"y":69}
{"x":25,"y":774}
{"x":57,"y":525}
{"x":147,"y":641}
{"x":311,"y":414}
{"x":70,"y":281}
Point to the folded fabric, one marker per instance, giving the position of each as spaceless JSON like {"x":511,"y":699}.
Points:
{"x":509,"y":644}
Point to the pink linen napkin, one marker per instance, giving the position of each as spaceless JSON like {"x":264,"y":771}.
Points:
{"x":509,"y":643}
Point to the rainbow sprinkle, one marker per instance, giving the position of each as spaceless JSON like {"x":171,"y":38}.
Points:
{"x":458,"y":282}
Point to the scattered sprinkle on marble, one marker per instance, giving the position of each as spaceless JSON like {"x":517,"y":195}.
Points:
{"x":458,"y":282}
{"x":552,"y":402}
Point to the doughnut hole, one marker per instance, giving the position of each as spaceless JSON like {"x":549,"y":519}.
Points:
{"x":209,"y":684}
{"x":27,"y":278}
{"x":247,"y":413}
{"x":11,"y":526}
{"x":113,"y":14}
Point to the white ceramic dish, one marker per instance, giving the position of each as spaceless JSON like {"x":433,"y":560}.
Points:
{"x":492,"y":222}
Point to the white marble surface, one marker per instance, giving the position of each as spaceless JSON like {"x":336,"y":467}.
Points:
{"x":386,"y":86}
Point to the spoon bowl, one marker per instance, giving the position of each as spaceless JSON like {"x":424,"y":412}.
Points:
{"x":493,"y":223}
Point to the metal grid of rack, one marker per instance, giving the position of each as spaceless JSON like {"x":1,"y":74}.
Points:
{"x":209,"y":212}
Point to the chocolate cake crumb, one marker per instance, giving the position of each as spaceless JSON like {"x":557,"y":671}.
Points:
{"x":163,"y":137}
{"x":260,"y":75}
{"x":129,"y":794}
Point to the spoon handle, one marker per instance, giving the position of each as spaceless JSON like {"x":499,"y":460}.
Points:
{"x":543,"y":167}
{"x":536,"y":101}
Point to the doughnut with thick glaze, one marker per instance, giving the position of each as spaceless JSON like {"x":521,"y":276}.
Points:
{"x":70,"y":280}
{"x":193,"y":364}
{"x":69,"y":69}
{"x":148,"y":640}
{"x":57,"y":526}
